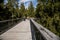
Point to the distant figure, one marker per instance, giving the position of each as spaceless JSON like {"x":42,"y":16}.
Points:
{"x":24,"y":18}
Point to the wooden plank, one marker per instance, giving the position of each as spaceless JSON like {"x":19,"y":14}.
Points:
{"x":21,"y":31}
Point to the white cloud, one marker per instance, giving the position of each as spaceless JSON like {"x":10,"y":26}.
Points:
{"x":24,"y":1}
{"x":5,"y":2}
{"x":27,"y":2}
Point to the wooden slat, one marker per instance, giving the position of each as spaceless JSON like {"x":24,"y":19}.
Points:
{"x":21,"y":31}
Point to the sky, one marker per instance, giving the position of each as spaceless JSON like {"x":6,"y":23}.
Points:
{"x":26,"y":2}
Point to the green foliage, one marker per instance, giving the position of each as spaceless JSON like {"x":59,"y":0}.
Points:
{"x":10,"y":10}
{"x":4,"y":12}
{"x":31,"y":10}
{"x":22,"y":9}
{"x":49,"y":15}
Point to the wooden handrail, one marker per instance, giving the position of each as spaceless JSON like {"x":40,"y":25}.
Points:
{"x":9,"y":20}
{"x":46,"y":34}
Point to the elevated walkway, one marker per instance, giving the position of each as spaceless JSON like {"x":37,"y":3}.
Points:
{"x":21,"y":31}
{"x":28,"y":30}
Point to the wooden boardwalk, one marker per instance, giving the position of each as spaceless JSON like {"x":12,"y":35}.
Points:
{"x":21,"y":31}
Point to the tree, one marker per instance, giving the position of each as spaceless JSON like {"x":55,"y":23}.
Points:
{"x":31,"y":10}
{"x":49,"y":15}
{"x":22,"y":9}
{"x":13,"y":8}
{"x":1,"y":9}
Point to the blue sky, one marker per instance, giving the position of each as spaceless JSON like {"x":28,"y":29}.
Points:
{"x":26,"y":2}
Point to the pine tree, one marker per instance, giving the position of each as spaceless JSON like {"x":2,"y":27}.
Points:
{"x":2,"y":10}
{"x":22,"y":9}
{"x":31,"y":10}
{"x":49,"y":15}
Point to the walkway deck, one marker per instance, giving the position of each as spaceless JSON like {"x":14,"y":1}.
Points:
{"x":21,"y":31}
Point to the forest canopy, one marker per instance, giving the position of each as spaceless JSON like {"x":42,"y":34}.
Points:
{"x":48,"y":12}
